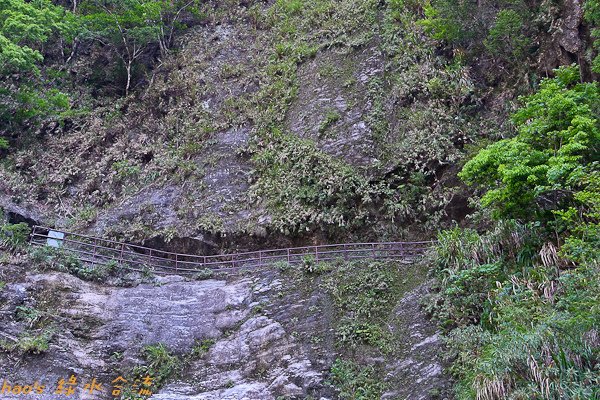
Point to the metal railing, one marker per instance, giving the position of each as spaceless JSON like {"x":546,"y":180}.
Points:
{"x":98,"y":251}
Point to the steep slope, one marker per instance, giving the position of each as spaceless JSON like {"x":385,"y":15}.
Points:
{"x":271,"y":118}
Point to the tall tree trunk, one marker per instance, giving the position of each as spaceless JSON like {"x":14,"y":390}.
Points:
{"x":128,"y":68}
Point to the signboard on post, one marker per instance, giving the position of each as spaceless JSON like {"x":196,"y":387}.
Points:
{"x":55,"y":239}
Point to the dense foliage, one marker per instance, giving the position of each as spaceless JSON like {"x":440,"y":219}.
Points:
{"x":522,"y":301}
{"x":496,"y":28}
{"x":130,"y":27}
{"x":25,"y":28}
{"x":40,"y":41}
{"x":592,"y":15}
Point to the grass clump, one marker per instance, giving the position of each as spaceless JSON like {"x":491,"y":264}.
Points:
{"x":29,"y":343}
{"x":160,"y":363}
{"x":201,"y":348}
{"x":143,"y":380}
{"x":13,"y":236}
{"x":331,"y":117}
{"x":65,"y":261}
{"x":355,"y":382}
{"x":203,"y":274}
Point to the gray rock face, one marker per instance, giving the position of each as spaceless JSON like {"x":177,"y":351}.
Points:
{"x":332,"y":104}
{"x":20,"y":213}
{"x":417,"y":370}
{"x":567,"y":40}
{"x":253,"y":356}
{"x":268,"y":338}
{"x":254,"y":363}
{"x":155,"y":206}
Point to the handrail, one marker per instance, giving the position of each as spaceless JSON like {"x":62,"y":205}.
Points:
{"x":94,"y":251}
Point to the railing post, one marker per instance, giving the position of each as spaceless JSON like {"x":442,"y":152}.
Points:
{"x":175,"y":262}
{"x":121,"y":255}
{"x":94,"y":253}
{"x":288,"y":255}
{"x":316,"y":254}
{"x":260,"y":258}
{"x":345,"y":253}
{"x":373,"y":249}
{"x":401,"y":250}
{"x":33,"y":231}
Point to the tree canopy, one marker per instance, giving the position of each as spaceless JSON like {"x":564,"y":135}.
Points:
{"x":25,"y":26}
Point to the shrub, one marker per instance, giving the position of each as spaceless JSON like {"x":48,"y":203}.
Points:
{"x":160,"y":364}
{"x":493,"y":27}
{"x":505,"y":39}
{"x":355,"y":382}
{"x":14,"y":236}
{"x":518,"y":327}
{"x":550,"y":171}
{"x":29,"y":343}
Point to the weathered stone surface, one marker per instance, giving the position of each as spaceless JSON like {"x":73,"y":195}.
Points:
{"x":246,"y":361}
{"x":418,"y":368}
{"x":16,"y":213}
{"x":263,"y":327}
{"x":337,"y":84}
{"x":567,"y":39}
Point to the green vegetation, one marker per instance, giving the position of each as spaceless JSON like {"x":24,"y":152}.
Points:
{"x":592,"y":15}
{"x":13,"y":236}
{"x":361,"y":297}
{"x":129,"y":27}
{"x":307,"y":189}
{"x":355,"y":382}
{"x":160,"y":364}
{"x":328,"y":195}
{"x":40,"y":40}
{"x":521,"y":301}
{"x":331,"y":117}
{"x":364,"y":295}
{"x":65,"y":261}
{"x":202,"y":274}
{"x":25,"y":28}
{"x":496,"y":28}
{"x":28,"y":315}
{"x":429,"y":82}
{"x":201,"y":348}
{"x":549,"y":172}
{"x":29,"y":343}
